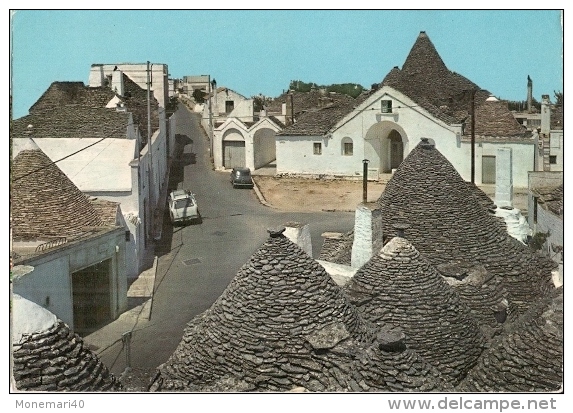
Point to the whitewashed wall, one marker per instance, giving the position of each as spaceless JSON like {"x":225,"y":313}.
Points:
{"x":138,"y":74}
{"x":49,"y":281}
{"x":556,"y":149}
{"x":522,"y":154}
{"x":369,"y":128}
{"x":49,"y":284}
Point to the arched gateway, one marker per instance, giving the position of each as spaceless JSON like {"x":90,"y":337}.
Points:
{"x":385,"y":146}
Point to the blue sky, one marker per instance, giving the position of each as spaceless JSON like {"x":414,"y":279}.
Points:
{"x":256,"y":51}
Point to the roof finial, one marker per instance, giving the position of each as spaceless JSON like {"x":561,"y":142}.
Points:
{"x":276,"y":232}
{"x":426,"y":144}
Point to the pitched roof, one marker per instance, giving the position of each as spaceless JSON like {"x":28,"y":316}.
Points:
{"x":318,"y":121}
{"x":48,"y":356}
{"x":528,"y":358}
{"x":72,"y":121}
{"x":72,"y":93}
{"x":400,"y":287}
{"x":107,"y":210}
{"x":551,"y":198}
{"x":425,"y":78}
{"x":71,"y":109}
{"x":305,"y":101}
{"x":45,"y":202}
{"x":283,"y":323}
{"x":448,"y":224}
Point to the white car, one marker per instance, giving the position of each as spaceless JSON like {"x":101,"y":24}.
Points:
{"x":183,"y":206}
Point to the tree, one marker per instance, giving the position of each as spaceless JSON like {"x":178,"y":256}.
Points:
{"x":558,"y":98}
{"x":350,"y":89}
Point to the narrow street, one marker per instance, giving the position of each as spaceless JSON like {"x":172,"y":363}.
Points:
{"x":196,"y":262}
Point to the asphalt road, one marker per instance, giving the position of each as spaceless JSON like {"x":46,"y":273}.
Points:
{"x":196,"y":262}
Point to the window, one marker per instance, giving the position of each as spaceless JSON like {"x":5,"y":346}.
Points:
{"x":317,"y":146}
{"x":553,"y":159}
{"x":386,"y":106}
{"x":347,"y":147}
{"x":229,"y":106}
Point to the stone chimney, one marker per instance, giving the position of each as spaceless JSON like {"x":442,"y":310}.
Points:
{"x":504,"y":178}
{"x":529,"y":94}
{"x":117,"y":84}
{"x":299,"y":234}
{"x":545,"y":115}
{"x":97,"y":76}
{"x":367,"y":233}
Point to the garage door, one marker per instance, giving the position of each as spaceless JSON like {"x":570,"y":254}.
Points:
{"x":234,"y":154}
{"x":488,"y":169}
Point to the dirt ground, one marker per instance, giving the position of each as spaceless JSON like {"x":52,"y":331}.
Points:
{"x":314,"y":195}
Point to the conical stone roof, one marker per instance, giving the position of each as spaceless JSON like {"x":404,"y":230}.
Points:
{"x":48,"y":356}
{"x":528,"y":357}
{"x":448,"y":224}
{"x":45,"y":202}
{"x":282,"y":324}
{"x":483,"y":293}
{"x":398,"y":286}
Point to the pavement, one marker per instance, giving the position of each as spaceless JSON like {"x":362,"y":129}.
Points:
{"x":139,"y":293}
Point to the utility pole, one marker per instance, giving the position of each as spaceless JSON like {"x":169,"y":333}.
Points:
{"x":473,"y":126}
{"x":149,"y":148}
{"x":365,"y":180}
{"x":210,"y":116}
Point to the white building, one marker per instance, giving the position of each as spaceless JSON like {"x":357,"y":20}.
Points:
{"x":423,"y":99}
{"x":69,"y":118}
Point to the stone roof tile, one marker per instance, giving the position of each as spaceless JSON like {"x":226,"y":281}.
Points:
{"x":528,"y":357}
{"x":282,"y":324}
{"x":425,"y":78}
{"x":399,"y":287}
{"x":448,"y":224}
{"x":45,"y":202}
{"x":55,"y":359}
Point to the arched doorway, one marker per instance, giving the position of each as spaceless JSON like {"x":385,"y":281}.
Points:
{"x":233,"y":149}
{"x":396,"y":149}
{"x":264,"y":147}
{"x":385,"y":145}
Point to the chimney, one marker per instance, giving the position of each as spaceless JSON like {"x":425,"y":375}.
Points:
{"x":504,"y":178}
{"x":367,"y":234}
{"x":545,"y":115}
{"x":299,"y":234}
{"x":117,"y":82}
{"x":529,"y":94}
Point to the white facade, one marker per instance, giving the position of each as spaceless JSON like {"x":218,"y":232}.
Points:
{"x":49,"y":283}
{"x":257,"y":143}
{"x":137,"y":73}
{"x":385,"y":139}
{"x":114,"y":170}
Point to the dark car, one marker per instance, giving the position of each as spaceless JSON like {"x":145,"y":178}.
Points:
{"x":241,"y":178}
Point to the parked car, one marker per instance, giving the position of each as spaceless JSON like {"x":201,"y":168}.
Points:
{"x":241,"y":178}
{"x":183,"y":207}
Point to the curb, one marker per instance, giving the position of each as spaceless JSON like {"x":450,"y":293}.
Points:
{"x":260,"y":195}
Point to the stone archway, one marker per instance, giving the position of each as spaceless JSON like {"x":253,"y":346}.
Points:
{"x":396,"y":149}
{"x":264,"y":147}
{"x":385,"y":146}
